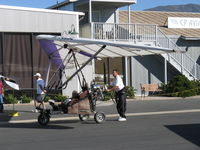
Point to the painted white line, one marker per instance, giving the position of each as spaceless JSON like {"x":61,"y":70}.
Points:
{"x":114,"y":115}
{"x":156,"y":113}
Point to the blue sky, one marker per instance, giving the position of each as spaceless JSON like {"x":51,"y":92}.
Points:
{"x":145,"y":4}
{"x":141,"y":4}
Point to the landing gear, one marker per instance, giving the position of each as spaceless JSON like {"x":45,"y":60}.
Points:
{"x":84,"y":117}
{"x":99,"y":117}
{"x":44,"y":117}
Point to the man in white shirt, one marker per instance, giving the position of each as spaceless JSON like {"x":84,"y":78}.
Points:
{"x":40,"y":85}
{"x":120,"y":97}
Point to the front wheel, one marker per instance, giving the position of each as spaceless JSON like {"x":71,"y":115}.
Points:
{"x":43,"y":119}
{"x":84,"y":117}
{"x":99,"y":117}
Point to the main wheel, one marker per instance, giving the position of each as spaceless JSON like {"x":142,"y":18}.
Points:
{"x":43,"y":119}
{"x":99,"y":117}
{"x":84,"y":117}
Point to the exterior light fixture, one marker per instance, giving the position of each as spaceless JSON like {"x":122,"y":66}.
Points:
{"x":73,"y":30}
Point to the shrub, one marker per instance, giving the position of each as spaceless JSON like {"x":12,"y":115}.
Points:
{"x":60,"y":98}
{"x":130,"y":92}
{"x":25,"y":99}
{"x":46,"y":98}
{"x":180,"y":86}
{"x":108,"y":95}
{"x":11,"y":99}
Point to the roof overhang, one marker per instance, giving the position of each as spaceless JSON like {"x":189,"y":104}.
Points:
{"x":113,"y":2}
{"x":190,"y":38}
{"x":40,"y":10}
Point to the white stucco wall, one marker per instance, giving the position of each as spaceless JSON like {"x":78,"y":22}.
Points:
{"x":21,"y":19}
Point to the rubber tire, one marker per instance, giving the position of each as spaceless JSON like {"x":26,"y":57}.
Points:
{"x":84,"y":117}
{"x":43,"y":119}
{"x":99,"y":117}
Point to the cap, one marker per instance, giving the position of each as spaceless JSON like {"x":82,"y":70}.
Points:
{"x":37,"y":75}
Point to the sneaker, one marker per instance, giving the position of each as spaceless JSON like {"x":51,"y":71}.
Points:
{"x":121,"y":119}
{"x":35,"y":110}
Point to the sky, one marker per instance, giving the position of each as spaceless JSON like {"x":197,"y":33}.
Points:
{"x":141,"y":4}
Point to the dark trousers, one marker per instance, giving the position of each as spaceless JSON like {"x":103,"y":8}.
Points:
{"x":120,"y":99}
{"x":1,"y":107}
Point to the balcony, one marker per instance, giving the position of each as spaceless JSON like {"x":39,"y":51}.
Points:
{"x":144,"y":34}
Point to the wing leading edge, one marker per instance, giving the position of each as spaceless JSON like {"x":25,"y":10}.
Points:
{"x":113,"y":48}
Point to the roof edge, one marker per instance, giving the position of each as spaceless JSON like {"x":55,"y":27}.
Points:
{"x":158,"y":11}
{"x":190,"y":38}
{"x":40,"y":10}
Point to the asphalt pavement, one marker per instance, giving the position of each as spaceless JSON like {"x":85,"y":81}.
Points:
{"x":26,"y":114}
{"x":153,"y":123}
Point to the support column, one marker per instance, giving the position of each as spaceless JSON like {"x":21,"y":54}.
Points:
{"x":126,"y":71}
{"x":129,"y":20}
{"x":108,"y":67}
{"x":182,"y":63}
{"x":90,"y":11}
{"x":129,"y":14}
{"x":131,"y":69}
{"x":165,"y":71}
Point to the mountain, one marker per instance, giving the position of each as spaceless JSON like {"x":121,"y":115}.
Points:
{"x":177,"y":8}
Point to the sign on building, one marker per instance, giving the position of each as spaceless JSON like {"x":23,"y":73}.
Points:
{"x":183,"y":22}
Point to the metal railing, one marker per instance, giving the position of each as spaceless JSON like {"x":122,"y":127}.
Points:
{"x":145,"y":33}
{"x":123,"y":32}
{"x":186,"y":63}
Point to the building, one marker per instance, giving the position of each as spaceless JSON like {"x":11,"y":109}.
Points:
{"x":20,"y":53}
{"x":99,"y":19}
{"x":103,"y":20}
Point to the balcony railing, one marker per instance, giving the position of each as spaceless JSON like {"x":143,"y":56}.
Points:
{"x":132,"y":32}
{"x":145,"y":33}
{"x":125,"y":32}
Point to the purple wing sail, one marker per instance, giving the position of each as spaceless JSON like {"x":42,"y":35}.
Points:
{"x":51,"y":50}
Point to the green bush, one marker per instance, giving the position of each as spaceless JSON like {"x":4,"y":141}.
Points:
{"x":130,"y":92}
{"x":60,"y":98}
{"x":180,"y":86}
{"x":11,"y":99}
{"x":108,"y":95}
{"x":46,"y":98}
{"x":25,"y":99}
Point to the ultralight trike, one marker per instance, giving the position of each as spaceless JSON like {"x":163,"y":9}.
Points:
{"x":83,"y":104}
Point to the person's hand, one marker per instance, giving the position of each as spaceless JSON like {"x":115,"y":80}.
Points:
{"x":44,"y":91}
{"x":108,"y":90}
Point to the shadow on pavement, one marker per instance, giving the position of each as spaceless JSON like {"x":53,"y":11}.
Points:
{"x":190,"y":132}
{"x":34,"y":126}
{"x":5,"y":117}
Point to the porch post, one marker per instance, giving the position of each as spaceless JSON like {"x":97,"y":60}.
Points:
{"x":129,"y":20}
{"x":129,"y":14}
{"x":126,"y":70}
{"x":182,"y":63}
{"x":90,"y":11}
{"x":165,"y":70}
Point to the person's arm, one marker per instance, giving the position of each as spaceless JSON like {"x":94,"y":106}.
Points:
{"x":114,"y":86}
{"x":42,"y":88}
{"x":3,"y":90}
